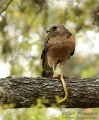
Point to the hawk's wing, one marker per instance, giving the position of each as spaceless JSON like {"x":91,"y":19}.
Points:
{"x":71,"y":53}
{"x":47,"y":71}
{"x":43,"y":55}
{"x":69,"y":34}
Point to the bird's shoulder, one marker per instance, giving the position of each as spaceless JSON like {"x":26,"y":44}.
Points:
{"x":67,"y":33}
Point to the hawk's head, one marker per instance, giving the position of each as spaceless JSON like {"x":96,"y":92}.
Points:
{"x":55,"y":28}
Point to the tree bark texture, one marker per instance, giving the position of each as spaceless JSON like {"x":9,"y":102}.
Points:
{"x":24,"y":91}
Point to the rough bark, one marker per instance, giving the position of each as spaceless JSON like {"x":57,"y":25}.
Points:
{"x":23,"y":91}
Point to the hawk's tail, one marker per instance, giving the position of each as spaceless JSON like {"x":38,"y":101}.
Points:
{"x":47,"y":73}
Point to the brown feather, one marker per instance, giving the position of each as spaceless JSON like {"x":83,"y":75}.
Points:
{"x":58,"y":47}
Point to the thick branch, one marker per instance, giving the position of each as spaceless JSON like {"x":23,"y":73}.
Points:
{"x":83,"y":93}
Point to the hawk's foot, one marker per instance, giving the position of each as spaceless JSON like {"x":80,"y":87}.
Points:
{"x":64,"y":76}
{"x":59,"y":76}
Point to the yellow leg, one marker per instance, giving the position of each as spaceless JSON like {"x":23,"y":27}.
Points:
{"x":64,"y":86}
{"x":54,"y":73}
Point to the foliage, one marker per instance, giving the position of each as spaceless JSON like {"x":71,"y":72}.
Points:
{"x":40,"y":112}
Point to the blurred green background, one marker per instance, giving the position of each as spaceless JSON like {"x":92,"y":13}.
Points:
{"x":23,"y":31}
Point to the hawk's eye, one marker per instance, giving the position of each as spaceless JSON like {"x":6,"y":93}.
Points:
{"x":54,"y":27}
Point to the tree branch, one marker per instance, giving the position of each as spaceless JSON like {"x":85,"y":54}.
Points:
{"x":6,"y":7}
{"x":23,"y":91}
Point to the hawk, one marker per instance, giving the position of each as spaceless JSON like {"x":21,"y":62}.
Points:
{"x":58,"y":47}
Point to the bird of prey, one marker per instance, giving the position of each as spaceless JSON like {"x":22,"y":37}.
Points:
{"x":58,"y":47}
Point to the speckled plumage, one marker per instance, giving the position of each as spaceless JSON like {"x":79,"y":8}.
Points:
{"x":58,"y":47}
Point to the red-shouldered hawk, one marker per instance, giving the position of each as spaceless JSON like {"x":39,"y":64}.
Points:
{"x":58,"y":47}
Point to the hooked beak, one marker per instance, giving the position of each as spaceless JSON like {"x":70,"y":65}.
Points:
{"x":48,"y":30}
